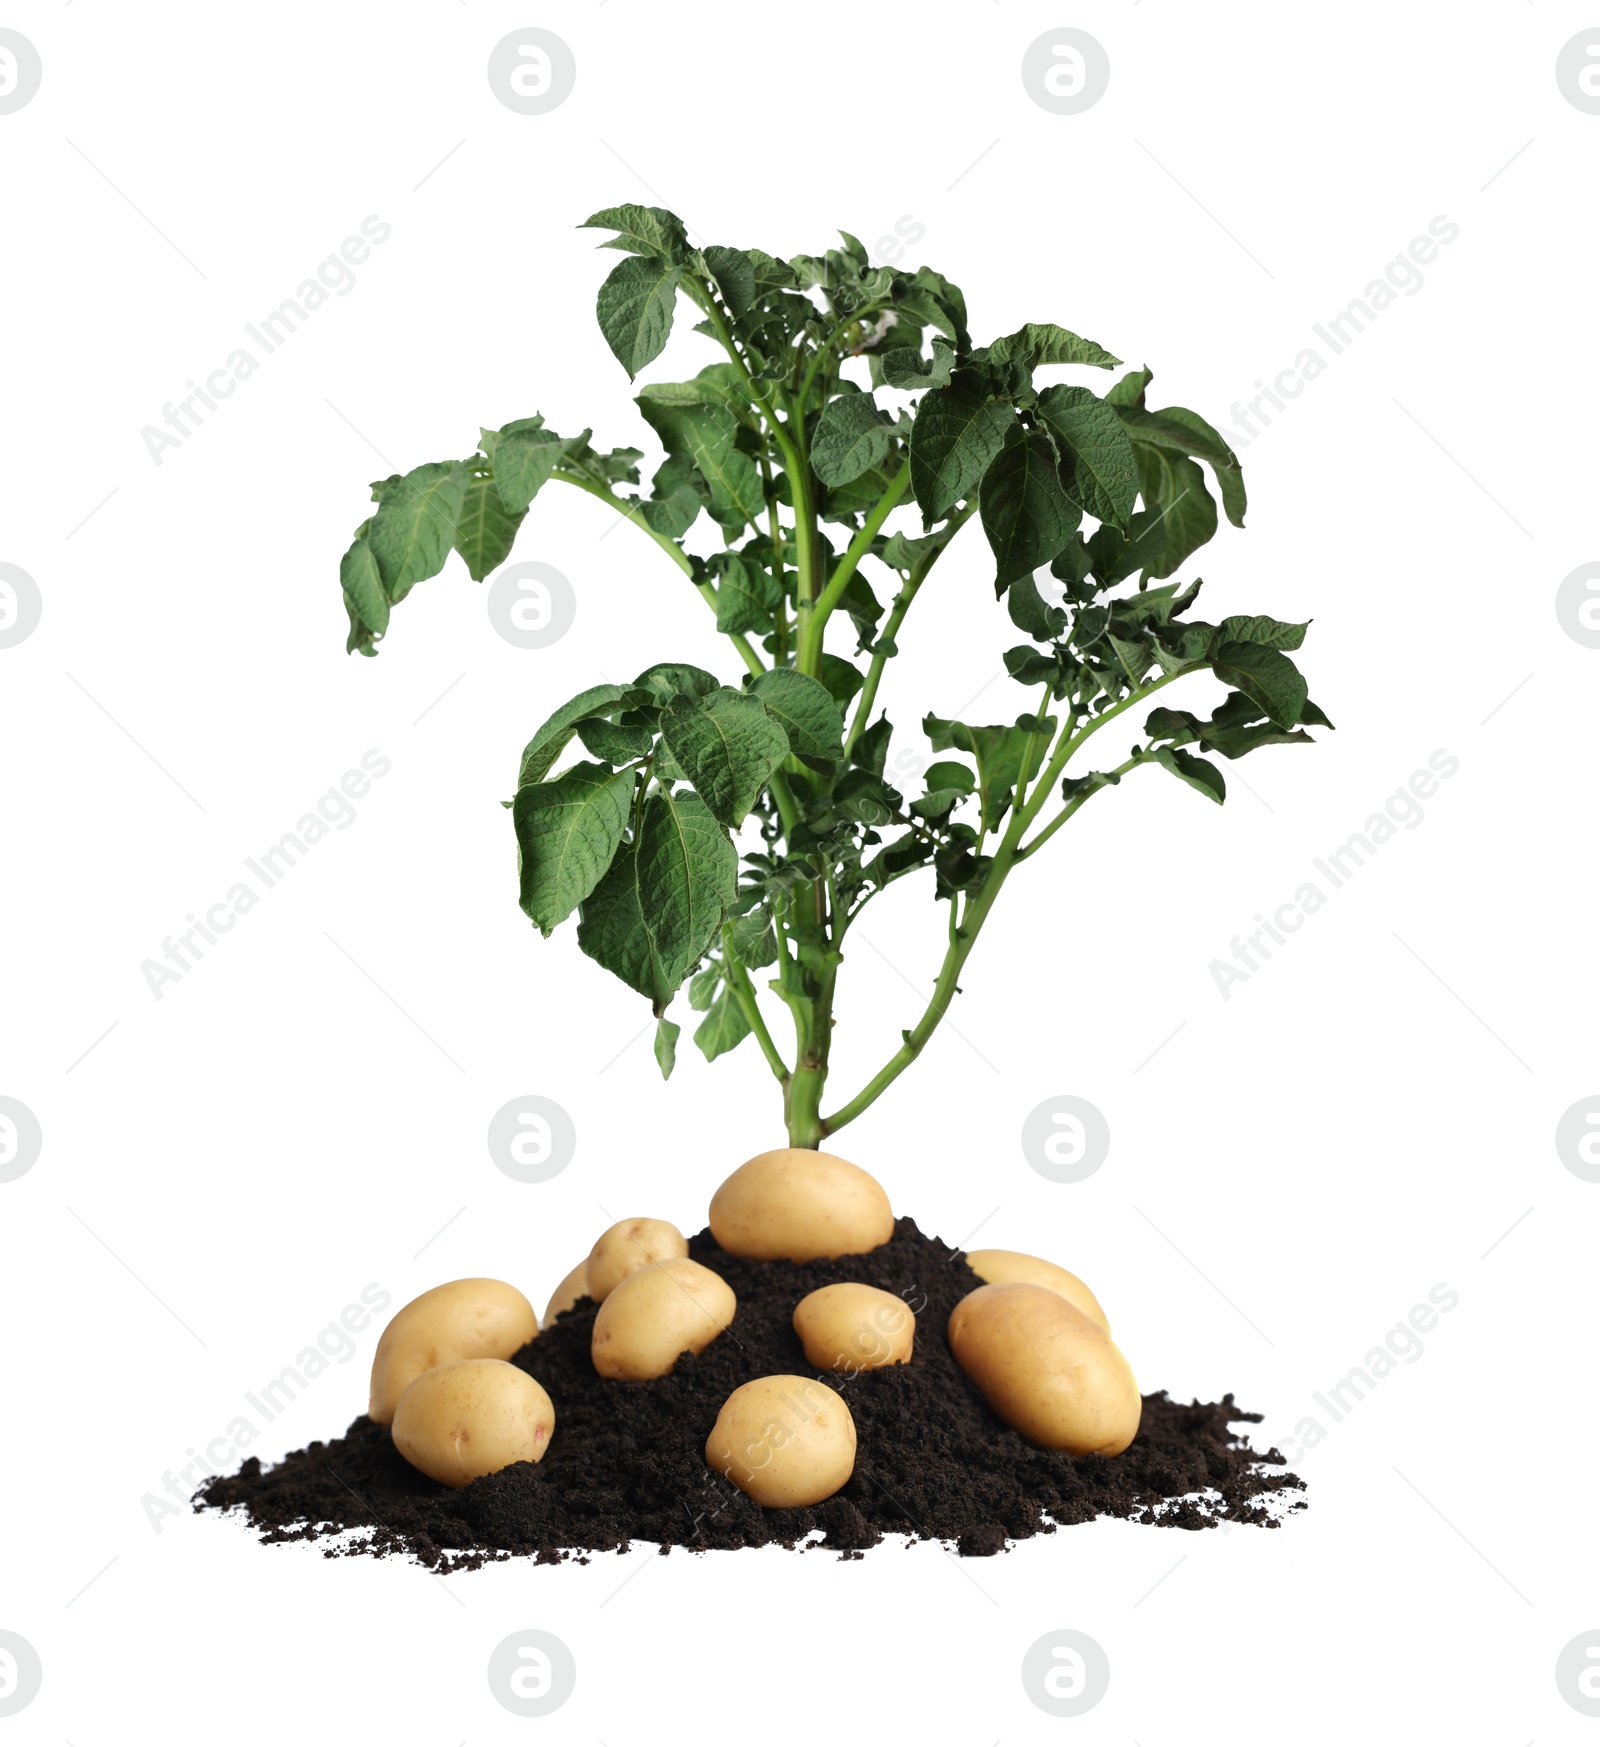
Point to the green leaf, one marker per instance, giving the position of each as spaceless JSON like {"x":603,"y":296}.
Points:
{"x":805,"y":710}
{"x":905,"y":367}
{"x":1174,"y":489}
{"x":957,"y":433}
{"x":851,"y":436}
{"x":1199,"y":773}
{"x":754,"y":941}
{"x":1258,"y":628}
{"x":1036,"y":343}
{"x":902,"y":552}
{"x":871,"y":748}
{"x":634,"y":309}
{"x":1129,"y":390}
{"x":998,"y":750}
{"x":723,"y":1028}
{"x":842,"y":679}
{"x":735,"y":275}
{"x":1265,"y":675}
{"x":703,"y":986}
{"x":727,"y":745}
{"x":524,"y":455}
{"x":567,"y":833}
{"x":1177,"y":429}
{"x":707,"y":435}
{"x":945,"y":773}
{"x":363,"y":588}
{"x":486,"y":529}
{"x":670,"y":680}
{"x":1030,"y":612}
{"x":662,"y":900}
{"x":641,"y":230}
{"x":1099,"y":468}
{"x":747,"y":595}
{"x":616,"y":742}
{"x":666,"y":1046}
{"x":551,"y":737}
{"x":415,"y":525}
{"x":1027,"y":517}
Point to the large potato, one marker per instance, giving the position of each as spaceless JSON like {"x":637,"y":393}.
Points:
{"x":1002,"y":1267}
{"x":785,"y":1441}
{"x":1046,"y":1369}
{"x":852,"y":1327}
{"x":627,"y":1245}
{"x":797,"y":1205}
{"x":466,"y":1319}
{"x":571,"y":1289}
{"x":659,"y":1311}
{"x":474,"y":1417}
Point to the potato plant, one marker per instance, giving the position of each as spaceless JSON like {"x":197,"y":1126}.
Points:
{"x":730,"y":836}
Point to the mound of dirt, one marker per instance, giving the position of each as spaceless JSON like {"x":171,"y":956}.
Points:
{"x":627,"y":1461}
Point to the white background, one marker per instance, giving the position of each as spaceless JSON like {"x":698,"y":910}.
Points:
{"x":1366,"y":1117}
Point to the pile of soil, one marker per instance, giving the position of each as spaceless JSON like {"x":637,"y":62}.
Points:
{"x":627,"y":1460}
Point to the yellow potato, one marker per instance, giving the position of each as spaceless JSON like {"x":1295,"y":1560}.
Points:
{"x":660,"y":1310}
{"x":571,"y":1289}
{"x":1002,"y":1267}
{"x":627,"y":1245}
{"x":1046,"y":1369}
{"x":785,"y":1441}
{"x":797,"y":1205}
{"x":466,"y":1319}
{"x":474,"y":1417}
{"x":851,"y":1327}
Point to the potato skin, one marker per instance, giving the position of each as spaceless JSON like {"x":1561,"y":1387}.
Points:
{"x":784,"y":1441}
{"x":1045,"y":1369}
{"x":852,"y":1327}
{"x":659,"y":1311}
{"x":1001,"y":1267}
{"x":463,"y":1319}
{"x":627,"y":1245}
{"x":573,"y":1287}
{"x":796,"y":1205}
{"x":474,"y":1417}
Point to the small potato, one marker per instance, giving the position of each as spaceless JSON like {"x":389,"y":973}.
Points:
{"x":797,"y":1205}
{"x":627,"y":1245}
{"x":785,"y":1441}
{"x":659,"y":1311}
{"x":1046,"y":1369}
{"x":474,"y":1417}
{"x":851,"y":1327}
{"x":1002,"y":1267}
{"x":466,"y":1319}
{"x":571,"y":1289}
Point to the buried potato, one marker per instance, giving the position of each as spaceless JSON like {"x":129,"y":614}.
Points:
{"x":785,"y":1441}
{"x":852,"y":1327}
{"x":627,"y":1245}
{"x":1004,"y":1267}
{"x":458,"y":1422}
{"x":465,"y":1319}
{"x":1046,"y":1369}
{"x":659,"y":1311}
{"x":796,"y":1205}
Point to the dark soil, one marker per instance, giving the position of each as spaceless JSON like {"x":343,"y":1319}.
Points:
{"x":627,"y":1462}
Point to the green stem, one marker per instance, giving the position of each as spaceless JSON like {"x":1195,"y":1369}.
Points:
{"x":1070,"y":742}
{"x":810,"y":647}
{"x":784,"y":796}
{"x":744,"y":993}
{"x":978,"y":908}
{"x":1072,"y":806}
{"x":897,"y":613}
